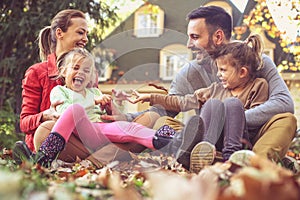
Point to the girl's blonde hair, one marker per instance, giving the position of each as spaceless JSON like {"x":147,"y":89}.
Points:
{"x":71,"y":58}
{"x":47,"y":39}
{"x":243,"y":54}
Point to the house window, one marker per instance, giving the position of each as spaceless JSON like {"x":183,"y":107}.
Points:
{"x":148,"y":21}
{"x":172,"y":58}
{"x":104,"y":62}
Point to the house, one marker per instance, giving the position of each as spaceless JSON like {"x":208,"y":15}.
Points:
{"x":150,"y":46}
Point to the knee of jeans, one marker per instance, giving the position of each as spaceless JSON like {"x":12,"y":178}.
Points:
{"x":214,"y":103}
{"x":233,"y":102}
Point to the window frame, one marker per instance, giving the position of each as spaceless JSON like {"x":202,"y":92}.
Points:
{"x":149,"y":12}
{"x":181,"y":55}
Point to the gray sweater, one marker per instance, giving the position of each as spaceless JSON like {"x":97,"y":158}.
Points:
{"x":280,"y":99}
{"x":198,"y":75}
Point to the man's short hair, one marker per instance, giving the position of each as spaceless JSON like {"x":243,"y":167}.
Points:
{"x":215,"y":18}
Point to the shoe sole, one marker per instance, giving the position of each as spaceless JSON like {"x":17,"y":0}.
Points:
{"x":202,"y":155}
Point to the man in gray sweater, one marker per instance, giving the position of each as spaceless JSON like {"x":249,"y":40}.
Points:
{"x":208,"y":28}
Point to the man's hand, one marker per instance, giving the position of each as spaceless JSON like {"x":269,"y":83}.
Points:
{"x":51,"y":114}
{"x":120,"y":95}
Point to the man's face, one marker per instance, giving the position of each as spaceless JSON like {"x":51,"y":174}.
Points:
{"x":199,"y":37}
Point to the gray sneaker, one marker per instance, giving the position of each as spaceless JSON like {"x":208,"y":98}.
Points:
{"x":241,"y":157}
{"x":291,"y":164}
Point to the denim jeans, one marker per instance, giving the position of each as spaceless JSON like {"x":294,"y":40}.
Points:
{"x":225,"y":124}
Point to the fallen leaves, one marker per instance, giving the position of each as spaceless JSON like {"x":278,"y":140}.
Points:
{"x":150,"y":177}
{"x":263,"y":179}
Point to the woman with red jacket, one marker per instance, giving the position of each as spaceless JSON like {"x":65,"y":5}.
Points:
{"x":68,"y":29}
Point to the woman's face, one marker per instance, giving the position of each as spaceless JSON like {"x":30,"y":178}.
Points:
{"x":75,"y":36}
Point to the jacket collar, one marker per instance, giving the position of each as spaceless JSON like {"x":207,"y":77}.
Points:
{"x":52,"y":68}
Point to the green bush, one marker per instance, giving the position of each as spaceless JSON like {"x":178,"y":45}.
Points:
{"x":8,"y":133}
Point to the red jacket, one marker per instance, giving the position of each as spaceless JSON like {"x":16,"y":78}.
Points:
{"x":37,"y":84}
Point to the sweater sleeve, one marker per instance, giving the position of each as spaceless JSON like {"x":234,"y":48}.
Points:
{"x":279,"y":101}
{"x":175,"y":103}
{"x":192,"y":76}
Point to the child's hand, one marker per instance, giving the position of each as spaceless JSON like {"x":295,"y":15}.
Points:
{"x":120,"y":96}
{"x":104,"y":100}
{"x":140,"y":97}
{"x":202,"y":94}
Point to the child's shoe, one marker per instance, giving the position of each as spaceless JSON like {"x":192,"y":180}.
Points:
{"x":163,"y":136}
{"x":203,"y":154}
{"x":192,"y":134}
{"x":50,"y":148}
{"x":48,"y":151}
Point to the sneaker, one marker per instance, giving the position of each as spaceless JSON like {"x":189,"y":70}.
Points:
{"x":192,"y":134}
{"x":203,"y":154}
{"x":291,"y":164}
{"x":241,"y":157}
{"x":21,"y":152}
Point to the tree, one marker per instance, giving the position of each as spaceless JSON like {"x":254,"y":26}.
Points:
{"x":288,"y":59}
{"x":20,"y":22}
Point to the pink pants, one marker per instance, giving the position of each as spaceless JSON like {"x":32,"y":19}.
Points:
{"x":97,"y":134}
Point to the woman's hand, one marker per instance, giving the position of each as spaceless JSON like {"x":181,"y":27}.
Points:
{"x":51,"y":113}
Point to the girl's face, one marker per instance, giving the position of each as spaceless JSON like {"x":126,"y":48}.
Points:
{"x":230,"y":77}
{"x":78,"y":74}
{"x":75,"y":36}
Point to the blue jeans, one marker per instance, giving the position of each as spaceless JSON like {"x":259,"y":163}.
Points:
{"x":224,"y":125}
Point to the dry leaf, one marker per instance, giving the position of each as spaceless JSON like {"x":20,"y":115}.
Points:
{"x":168,"y":185}
{"x":120,"y":191}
